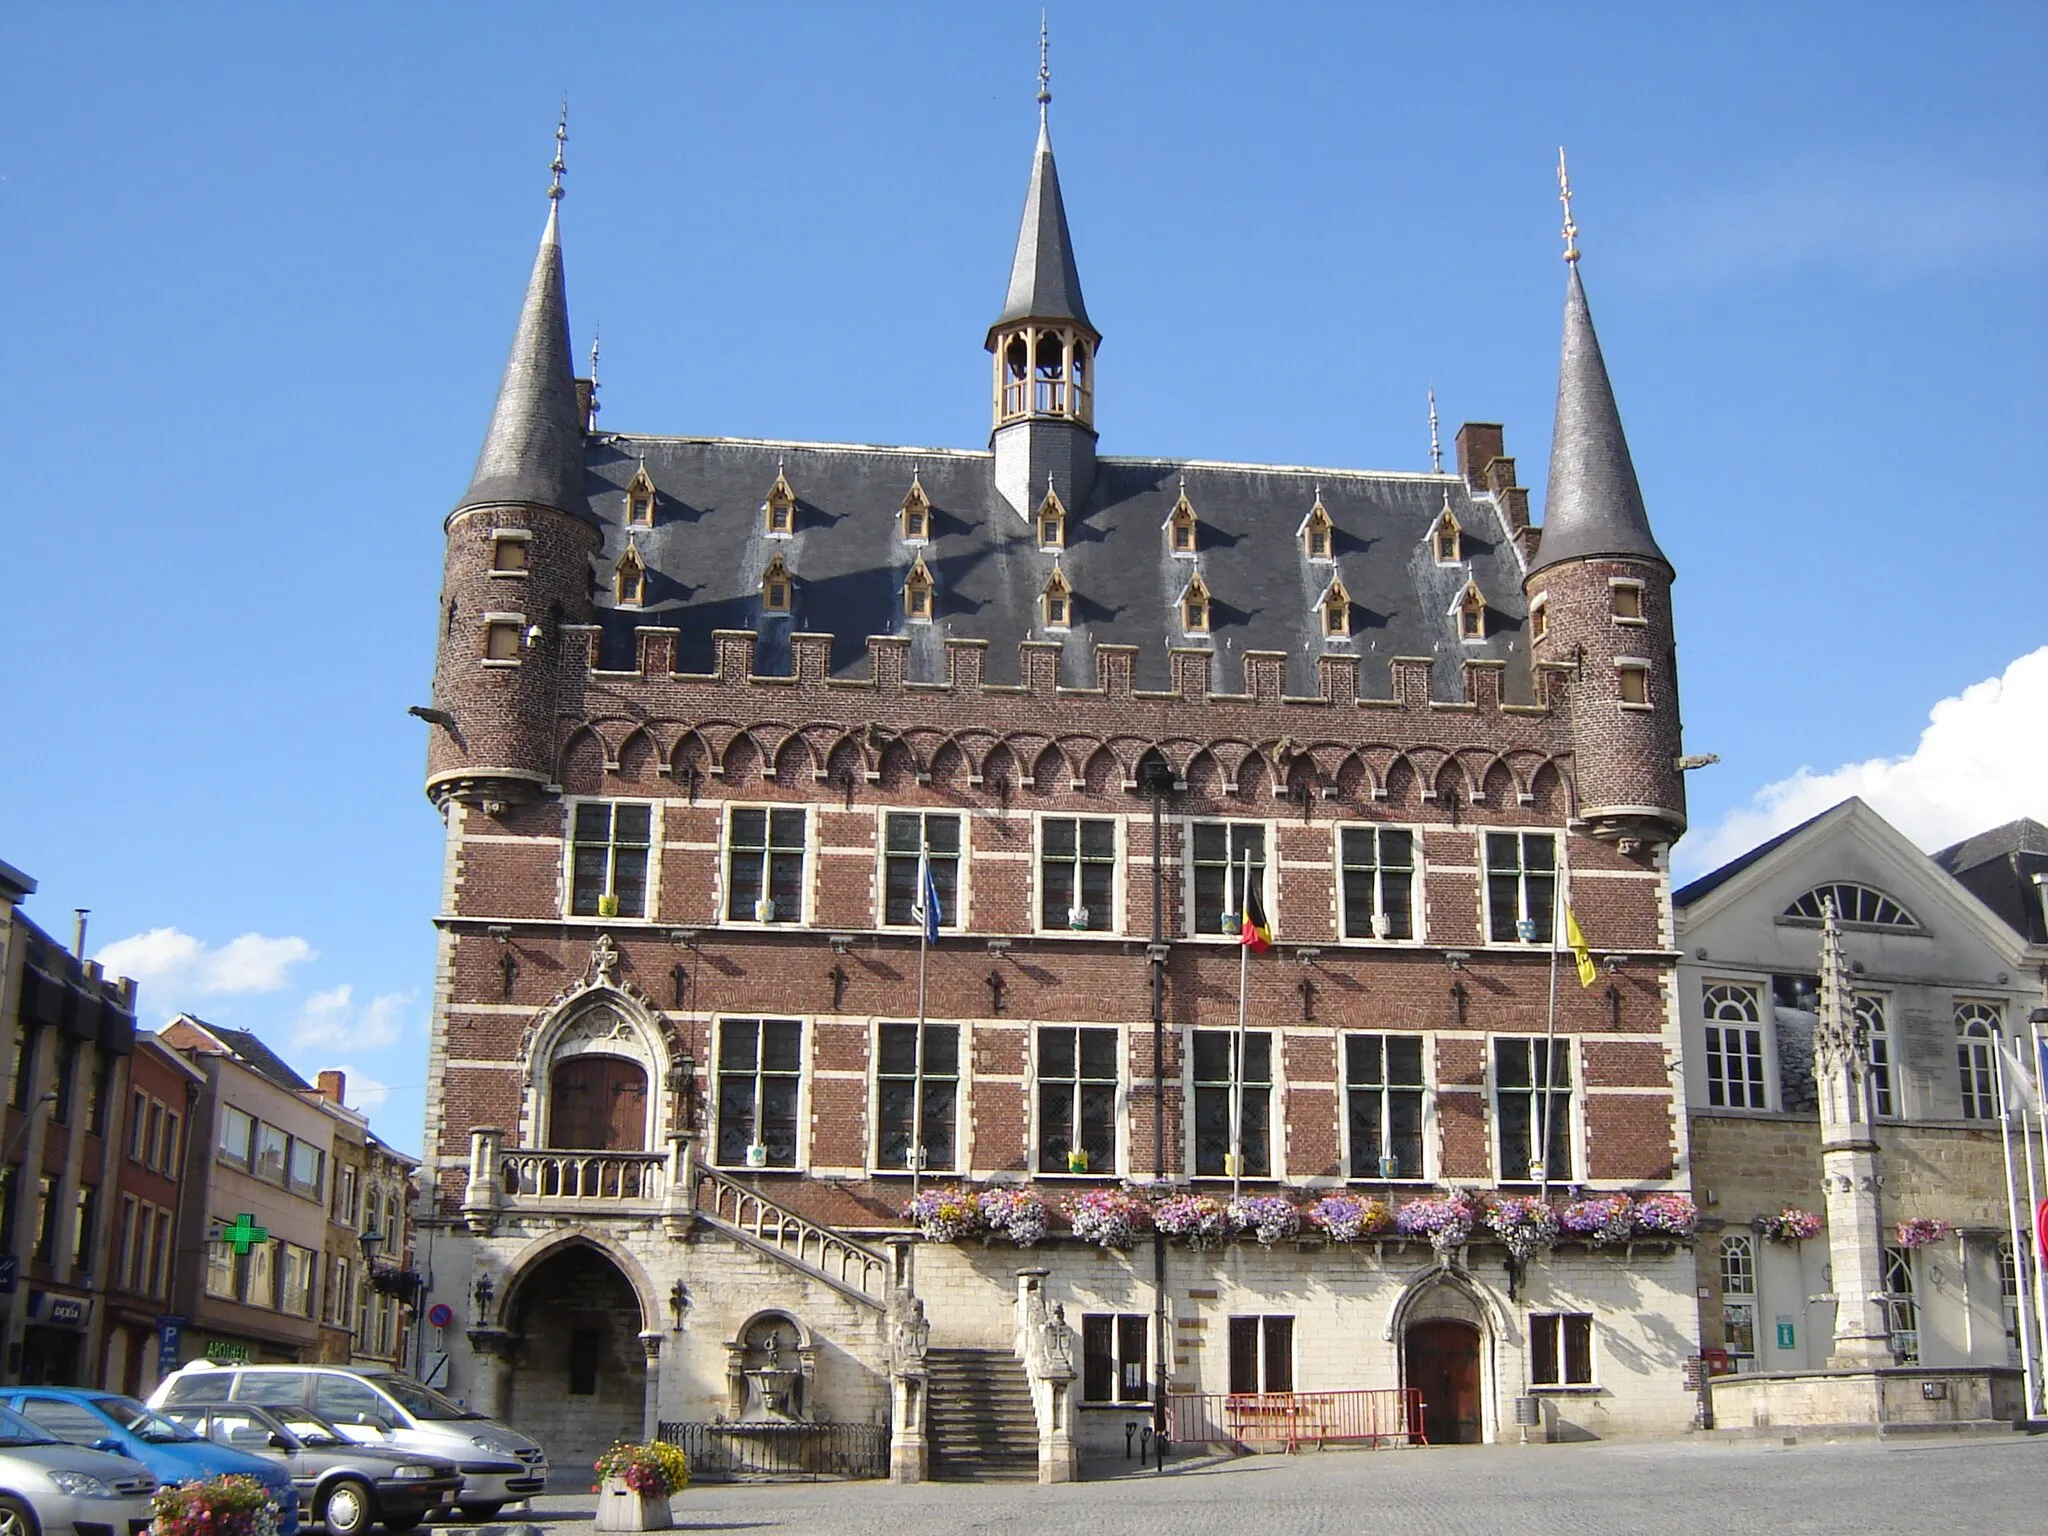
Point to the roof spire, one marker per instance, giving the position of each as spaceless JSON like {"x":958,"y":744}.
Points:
{"x":558,"y":167}
{"x":1436,"y":447}
{"x":1564,"y":195}
{"x":1044,"y":281}
{"x":1044,"y":74}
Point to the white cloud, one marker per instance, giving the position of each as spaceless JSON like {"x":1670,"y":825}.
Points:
{"x":173,"y":961}
{"x":331,"y":1017}
{"x":1887,"y":219}
{"x":1979,"y":764}
{"x":364,"y":1093}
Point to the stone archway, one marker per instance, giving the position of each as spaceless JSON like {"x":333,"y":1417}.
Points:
{"x":1450,"y":1334}
{"x":578,"y":1380}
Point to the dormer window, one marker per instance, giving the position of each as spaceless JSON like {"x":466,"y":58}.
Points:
{"x":1336,"y":607}
{"x":916,"y":520}
{"x":640,"y":500}
{"x":778,"y":512}
{"x":1446,"y":538}
{"x":1052,"y":520}
{"x":1471,"y":612}
{"x":917,"y":592}
{"x":1056,"y":602}
{"x":1181,"y":524}
{"x":1194,"y":606}
{"x":1626,"y":601}
{"x":775,"y":587}
{"x":629,"y":579}
{"x":509,"y":553}
{"x":1316,"y":531}
{"x":1539,"y":617}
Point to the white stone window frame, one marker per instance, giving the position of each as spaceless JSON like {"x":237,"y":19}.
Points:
{"x":511,"y":536}
{"x":518,"y":623}
{"x":1539,"y":617}
{"x":1901,"y":1295}
{"x":565,"y":895}
{"x":634,"y":1036}
{"x":1977,"y":1055}
{"x":1276,"y":1102}
{"x":1417,"y":906}
{"x":1117,"y":1402}
{"x":963,"y":896}
{"x":963,"y":1100}
{"x":1564,"y":1386}
{"x":1431,"y":1130}
{"x":807,"y":882}
{"x":1522,"y":874}
{"x":1640,"y":665}
{"x":1034,"y":1118}
{"x":806,"y":1037}
{"x":1269,"y":879}
{"x":1617,"y":584}
{"x":1121,"y":874}
{"x":1875,"y":1011}
{"x":1569,"y":1048}
{"x":1754,"y":1022}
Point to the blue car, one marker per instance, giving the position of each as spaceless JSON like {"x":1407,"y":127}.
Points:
{"x":107,"y":1421}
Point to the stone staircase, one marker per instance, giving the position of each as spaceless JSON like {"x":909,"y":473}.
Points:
{"x":979,"y":1420}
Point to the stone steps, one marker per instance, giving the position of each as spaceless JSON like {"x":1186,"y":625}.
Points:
{"x":979,"y":1424}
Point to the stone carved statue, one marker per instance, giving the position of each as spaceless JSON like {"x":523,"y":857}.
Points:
{"x":910,"y":1334}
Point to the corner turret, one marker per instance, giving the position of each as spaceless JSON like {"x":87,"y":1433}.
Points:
{"x":1599,"y":592}
{"x":517,"y":566}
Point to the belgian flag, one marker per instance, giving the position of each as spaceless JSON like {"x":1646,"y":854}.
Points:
{"x":1256,"y":932}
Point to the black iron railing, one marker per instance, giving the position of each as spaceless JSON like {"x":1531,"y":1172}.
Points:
{"x":781,"y":1452}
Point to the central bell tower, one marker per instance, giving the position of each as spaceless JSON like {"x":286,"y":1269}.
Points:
{"x":1044,"y":348}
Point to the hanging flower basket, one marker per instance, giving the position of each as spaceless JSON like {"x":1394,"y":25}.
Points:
{"x":1446,"y":1221}
{"x":1666,"y":1216}
{"x":1200,"y":1221}
{"x":1267,"y":1218}
{"x":945,"y":1213}
{"x":1791,"y":1225}
{"x":1350,"y":1218}
{"x":231,"y":1505}
{"x":1923,"y":1231}
{"x":1110,"y":1218}
{"x":1599,"y":1219}
{"x":1525,"y":1224}
{"x":1017,"y":1214}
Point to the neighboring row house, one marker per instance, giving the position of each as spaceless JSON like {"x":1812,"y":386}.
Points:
{"x":1948,"y":957}
{"x":705,"y":708}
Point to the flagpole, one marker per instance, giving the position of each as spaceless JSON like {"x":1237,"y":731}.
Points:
{"x":2034,"y":1210}
{"x":1237,"y":1040}
{"x":922,"y":912}
{"x":2022,"y":1251}
{"x":1559,"y":876}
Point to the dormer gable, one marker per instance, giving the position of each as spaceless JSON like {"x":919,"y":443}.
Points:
{"x":917,"y":592}
{"x":1334,"y":607}
{"x":640,"y":498}
{"x":1195,"y":606}
{"x":1470,"y":611}
{"x":1056,"y":601}
{"x":1446,"y":536}
{"x":629,"y":578}
{"x":914,"y":521}
{"x":776,"y":586}
{"x":1317,"y":533}
{"x":1183,"y":528}
{"x":1051,"y":519}
{"x":778,"y":512}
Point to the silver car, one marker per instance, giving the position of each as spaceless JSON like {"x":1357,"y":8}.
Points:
{"x":49,"y":1488}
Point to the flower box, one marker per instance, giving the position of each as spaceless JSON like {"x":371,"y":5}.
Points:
{"x":619,"y":1508}
{"x":635,"y":1484}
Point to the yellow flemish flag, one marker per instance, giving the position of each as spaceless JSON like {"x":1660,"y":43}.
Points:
{"x":1577,"y":943}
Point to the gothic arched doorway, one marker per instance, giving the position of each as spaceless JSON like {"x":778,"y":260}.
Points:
{"x":579,"y":1379}
{"x":1442,"y":1359}
{"x":597,"y":1103}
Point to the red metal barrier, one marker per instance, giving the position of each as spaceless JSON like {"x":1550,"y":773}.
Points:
{"x":1375,"y":1417}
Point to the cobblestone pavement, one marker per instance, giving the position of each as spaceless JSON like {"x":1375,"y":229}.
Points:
{"x":1991,"y":1487}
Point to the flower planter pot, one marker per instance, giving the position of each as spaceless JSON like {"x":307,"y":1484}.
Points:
{"x":619,"y":1508}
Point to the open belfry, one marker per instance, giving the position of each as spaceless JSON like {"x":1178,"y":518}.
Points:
{"x":846,"y":1038}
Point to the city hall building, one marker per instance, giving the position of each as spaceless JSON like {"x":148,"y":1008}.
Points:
{"x":755,"y":753}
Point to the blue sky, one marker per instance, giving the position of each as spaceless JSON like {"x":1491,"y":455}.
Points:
{"x":266,"y":260}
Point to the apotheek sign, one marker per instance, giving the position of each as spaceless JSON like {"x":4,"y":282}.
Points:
{"x":221,"y":1352}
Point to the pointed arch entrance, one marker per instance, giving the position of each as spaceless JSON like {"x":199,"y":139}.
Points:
{"x":1450,"y":1332}
{"x":579,"y":1372}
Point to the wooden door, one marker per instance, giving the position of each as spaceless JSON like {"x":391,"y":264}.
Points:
{"x":598,"y":1103}
{"x":1443,"y":1365}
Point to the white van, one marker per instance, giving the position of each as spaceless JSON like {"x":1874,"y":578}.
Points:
{"x":378,"y":1406}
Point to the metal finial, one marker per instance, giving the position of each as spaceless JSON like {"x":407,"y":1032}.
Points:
{"x":1436,"y":448}
{"x":1564,"y":195}
{"x":1044,"y":66}
{"x":561,"y":138}
{"x":596,"y":335}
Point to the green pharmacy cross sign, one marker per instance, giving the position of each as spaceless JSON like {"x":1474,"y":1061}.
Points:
{"x":242,"y":1234}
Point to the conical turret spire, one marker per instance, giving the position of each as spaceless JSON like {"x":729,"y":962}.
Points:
{"x":1594,"y":506}
{"x":1044,"y":282}
{"x":533,"y":451}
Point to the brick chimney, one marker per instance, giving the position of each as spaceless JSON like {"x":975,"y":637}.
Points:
{"x":333,"y":1086}
{"x":1479,"y":444}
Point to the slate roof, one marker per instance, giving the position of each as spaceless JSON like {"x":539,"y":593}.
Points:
{"x":708,"y":548}
{"x":1998,"y":866}
{"x":1714,"y":879}
{"x":535,"y":439}
{"x":260,"y":1058}
{"x":1045,"y":284}
{"x":1594,"y":505}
